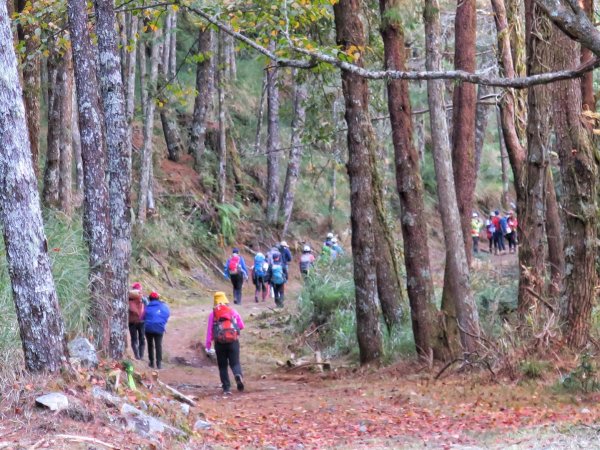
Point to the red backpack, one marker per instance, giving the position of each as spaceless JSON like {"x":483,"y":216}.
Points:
{"x":225,"y":329}
{"x":234,"y":264}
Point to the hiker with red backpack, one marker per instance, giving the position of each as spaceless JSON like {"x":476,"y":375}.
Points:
{"x":236,"y":271}
{"x":259,"y":277}
{"x":277,"y":276}
{"x":224,"y":326}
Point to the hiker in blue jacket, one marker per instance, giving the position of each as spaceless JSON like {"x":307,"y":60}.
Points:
{"x":237,"y":272}
{"x":277,"y":275}
{"x":155,"y":322}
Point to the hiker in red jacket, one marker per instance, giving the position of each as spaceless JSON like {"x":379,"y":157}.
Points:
{"x":224,"y":326}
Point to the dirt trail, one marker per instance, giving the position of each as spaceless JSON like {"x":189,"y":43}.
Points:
{"x":399,"y":406}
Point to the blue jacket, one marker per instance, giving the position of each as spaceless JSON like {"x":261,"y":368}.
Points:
{"x":504,"y":225}
{"x":242,"y":266}
{"x":157,"y":315}
{"x":286,"y":255}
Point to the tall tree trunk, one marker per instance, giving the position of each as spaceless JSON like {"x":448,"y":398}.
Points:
{"x":587,"y":81}
{"x":220,"y":81}
{"x":119,"y":170}
{"x":65,"y":86}
{"x":350,"y":33}
{"x":173,"y":46}
{"x":515,"y":15}
{"x":296,"y":148}
{"x":31,"y":84}
{"x":579,"y":175}
{"x":273,"y":141}
{"x":464,"y":104}
{"x":464,"y":320}
{"x":259,"y":115}
{"x":51,"y":171}
{"x":556,"y":254}
{"x":409,"y":185}
{"x":532,"y":214}
{"x":96,"y":220}
{"x":40,"y":322}
{"x":504,"y":161}
{"x":129,"y":79}
{"x":77,"y":151}
{"x":481,"y":122}
{"x":145,"y":184}
{"x":204,"y":94}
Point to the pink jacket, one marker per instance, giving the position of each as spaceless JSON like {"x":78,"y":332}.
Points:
{"x":209,"y":329}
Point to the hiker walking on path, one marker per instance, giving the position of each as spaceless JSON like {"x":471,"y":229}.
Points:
{"x":157,"y":316}
{"x":136,"y":322}
{"x":236,"y":271}
{"x":277,"y":277}
{"x":511,"y":232}
{"x":259,"y":277}
{"x":286,"y":254}
{"x":475,"y":230}
{"x":307,"y":260}
{"x":224,"y":326}
{"x":489,"y":232}
{"x":337,"y":250}
{"x":498,"y":234}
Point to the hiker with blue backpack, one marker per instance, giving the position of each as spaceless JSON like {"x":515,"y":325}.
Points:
{"x":223,"y":328}
{"x":259,"y":276}
{"x":236,"y":271}
{"x":277,"y":276}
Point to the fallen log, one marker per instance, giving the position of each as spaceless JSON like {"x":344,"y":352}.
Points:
{"x":178,"y":395}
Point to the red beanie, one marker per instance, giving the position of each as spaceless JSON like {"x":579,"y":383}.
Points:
{"x":137,"y":286}
{"x":154,"y":295}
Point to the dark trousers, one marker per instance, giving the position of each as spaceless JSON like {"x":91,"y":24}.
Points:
{"x":237,"y":281}
{"x":475,"y":244}
{"x":138,"y":342}
{"x":499,"y":241}
{"x":278,"y":291}
{"x":154,"y":342}
{"x":228,"y":355}
{"x":262,"y":287}
{"x":512,"y":244}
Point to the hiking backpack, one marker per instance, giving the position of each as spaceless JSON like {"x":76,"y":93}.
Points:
{"x":259,"y":266}
{"x":277,"y":276}
{"x":234,"y":264}
{"x":225,"y":329}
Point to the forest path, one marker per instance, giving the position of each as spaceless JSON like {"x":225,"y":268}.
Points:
{"x":398,"y":406}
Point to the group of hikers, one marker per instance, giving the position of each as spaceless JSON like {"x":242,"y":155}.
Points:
{"x":498,"y":228}
{"x":148,"y":316}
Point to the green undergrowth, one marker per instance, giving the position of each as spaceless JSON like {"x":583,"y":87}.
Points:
{"x":69,"y":260}
{"x":327,"y":303}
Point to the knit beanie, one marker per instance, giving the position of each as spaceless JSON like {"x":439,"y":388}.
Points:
{"x":136,"y":286}
{"x":154,"y":295}
{"x":220,"y":298}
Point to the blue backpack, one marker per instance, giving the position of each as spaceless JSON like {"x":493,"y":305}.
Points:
{"x":259,"y":269}
{"x":277,"y":276}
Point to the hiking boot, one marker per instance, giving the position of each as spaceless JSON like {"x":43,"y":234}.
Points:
{"x":226,"y":392}
{"x":240,"y":382}
{"x":151,"y":365}
{"x":159,"y":365}
{"x":255,"y":299}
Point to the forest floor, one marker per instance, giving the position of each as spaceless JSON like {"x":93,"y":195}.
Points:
{"x":400,"y":406}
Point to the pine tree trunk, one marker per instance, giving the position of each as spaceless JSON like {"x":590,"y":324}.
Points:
{"x":145,"y":184}
{"x":96,"y":220}
{"x":220,"y":82}
{"x":31,"y":68}
{"x":532,"y":214}
{"x":41,"y":325}
{"x":457,"y":270}
{"x":204,"y":89}
{"x":587,"y":80}
{"x":554,"y":235}
{"x":65,"y":87}
{"x":293,"y":170}
{"x":273,"y":142}
{"x":350,"y":32}
{"x":51,"y":170}
{"x":410,"y":187}
{"x":464,"y":104}
{"x":579,"y":175}
{"x":119,"y":170}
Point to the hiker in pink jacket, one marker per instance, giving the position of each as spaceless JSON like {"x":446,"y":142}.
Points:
{"x":224,"y":326}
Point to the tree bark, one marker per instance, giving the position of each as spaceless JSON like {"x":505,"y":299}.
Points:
{"x":65,"y":87}
{"x":234,"y":158}
{"x":481,"y":122}
{"x":204,"y":94}
{"x":129,"y":79}
{"x":220,"y":82}
{"x":145,"y":184}
{"x":293,"y":170}
{"x":410,"y":187}
{"x":51,"y":170}
{"x":40,"y":323}
{"x":587,"y":81}
{"x":96,"y":221}
{"x":554,"y":235}
{"x":457,"y":269}
{"x":31,"y":68}
{"x":579,"y":175}
{"x":77,"y":151}
{"x":504,"y":162}
{"x":532,"y":230}
{"x":273,"y":142}
{"x":119,"y":170}
{"x":350,"y":33}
